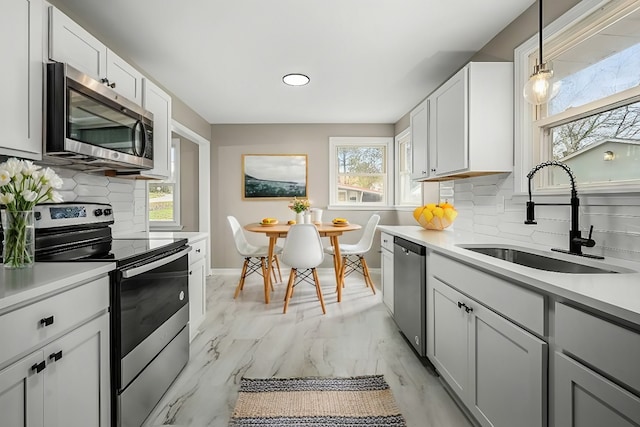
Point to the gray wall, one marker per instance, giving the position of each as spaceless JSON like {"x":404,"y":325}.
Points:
{"x":231,"y":141}
{"x":189,"y":185}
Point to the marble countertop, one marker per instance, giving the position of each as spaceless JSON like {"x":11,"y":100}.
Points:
{"x":20,"y":286}
{"x":614,"y":294}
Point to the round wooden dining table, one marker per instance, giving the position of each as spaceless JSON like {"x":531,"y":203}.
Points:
{"x":274,"y":232}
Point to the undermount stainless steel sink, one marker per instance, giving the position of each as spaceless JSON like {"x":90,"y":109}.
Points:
{"x":532,"y":259}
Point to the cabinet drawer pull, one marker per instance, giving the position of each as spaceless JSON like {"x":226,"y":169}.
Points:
{"x":460,"y":304}
{"x":46,"y":321}
{"x":55,"y":356}
{"x":39,"y":367}
{"x":198,"y":250}
{"x":468,"y":309}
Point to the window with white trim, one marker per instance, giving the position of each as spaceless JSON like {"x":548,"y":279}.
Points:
{"x":408,"y":192}
{"x":593,"y":124}
{"x":164,"y":196}
{"x":361,"y":171}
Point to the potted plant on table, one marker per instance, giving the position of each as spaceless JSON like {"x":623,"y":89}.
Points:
{"x":300,"y":206}
{"x":22,"y":186}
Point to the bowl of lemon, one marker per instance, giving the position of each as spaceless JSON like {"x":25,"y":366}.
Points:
{"x":435,"y":216}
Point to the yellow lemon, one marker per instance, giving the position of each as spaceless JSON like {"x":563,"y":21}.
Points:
{"x":427,"y":215}
{"x":417,"y":212}
{"x":438,"y":212}
{"x":450,"y":214}
{"x":431,"y":206}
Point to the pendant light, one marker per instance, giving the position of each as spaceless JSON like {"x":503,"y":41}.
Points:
{"x":540,"y":88}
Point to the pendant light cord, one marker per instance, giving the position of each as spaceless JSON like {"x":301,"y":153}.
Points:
{"x":540,"y":27}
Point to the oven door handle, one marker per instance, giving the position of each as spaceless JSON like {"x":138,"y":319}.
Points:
{"x":155,"y":264}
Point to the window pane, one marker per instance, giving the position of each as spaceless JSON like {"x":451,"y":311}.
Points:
{"x":361,"y":159}
{"x":603,"y":147}
{"x":361,"y":189}
{"x":161,"y":201}
{"x":599,"y":66}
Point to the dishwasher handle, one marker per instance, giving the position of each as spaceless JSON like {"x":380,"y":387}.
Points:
{"x":409,"y":247}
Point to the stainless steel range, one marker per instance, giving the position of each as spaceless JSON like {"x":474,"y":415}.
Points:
{"x":149,"y":300}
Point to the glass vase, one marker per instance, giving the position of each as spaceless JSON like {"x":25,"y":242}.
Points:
{"x":18,"y":246}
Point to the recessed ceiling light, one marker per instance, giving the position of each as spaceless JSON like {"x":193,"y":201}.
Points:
{"x":295,"y":79}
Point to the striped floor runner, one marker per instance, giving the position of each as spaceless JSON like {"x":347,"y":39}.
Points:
{"x":315,"y":402}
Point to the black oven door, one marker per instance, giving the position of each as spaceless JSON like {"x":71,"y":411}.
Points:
{"x":150,"y":303}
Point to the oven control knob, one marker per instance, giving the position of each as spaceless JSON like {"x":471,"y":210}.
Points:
{"x":181,"y":295}
{"x":108,"y":212}
{"x":97,"y":212}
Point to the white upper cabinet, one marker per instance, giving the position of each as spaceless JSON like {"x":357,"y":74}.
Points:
{"x":123,"y":78}
{"x":21,"y":82}
{"x":471,"y":122}
{"x":72,"y":44}
{"x":158,"y":102}
{"x":419,"y":135}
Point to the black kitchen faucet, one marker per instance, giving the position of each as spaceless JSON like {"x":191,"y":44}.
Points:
{"x":576,"y":241}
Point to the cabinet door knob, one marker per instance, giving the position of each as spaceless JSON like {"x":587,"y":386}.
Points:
{"x":190,"y":273}
{"x":55,"y":356}
{"x":468,"y":309}
{"x":433,"y":170}
{"x":39,"y":367}
{"x":460,"y":304}
{"x":198,"y":250}
{"x":46,"y":321}
{"x":112,"y":85}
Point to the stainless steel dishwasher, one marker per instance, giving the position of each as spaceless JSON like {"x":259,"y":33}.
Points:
{"x":409,"y":283}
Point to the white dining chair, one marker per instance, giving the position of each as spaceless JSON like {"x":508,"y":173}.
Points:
{"x":255,"y":257}
{"x":353,"y":254}
{"x":302,"y":251}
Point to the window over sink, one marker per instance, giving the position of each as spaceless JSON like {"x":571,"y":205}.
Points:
{"x":593,"y":124}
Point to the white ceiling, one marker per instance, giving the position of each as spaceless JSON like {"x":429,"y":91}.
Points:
{"x":370,"y":61}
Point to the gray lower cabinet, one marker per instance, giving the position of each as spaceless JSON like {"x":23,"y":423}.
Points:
{"x":584,"y":398}
{"x":496,"y":368}
{"x":595,"y":370}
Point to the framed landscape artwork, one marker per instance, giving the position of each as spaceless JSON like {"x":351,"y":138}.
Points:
{"x":274,"y":176}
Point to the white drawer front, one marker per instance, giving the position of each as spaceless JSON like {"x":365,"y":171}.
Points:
{"x":386,"y":241}
{"x":24,"y":328}
{"x":608,"y":347}
{"x":198,"y":251}
{"x":513,"y":301}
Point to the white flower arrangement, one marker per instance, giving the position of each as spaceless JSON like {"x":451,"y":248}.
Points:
{"x":23,"y":185}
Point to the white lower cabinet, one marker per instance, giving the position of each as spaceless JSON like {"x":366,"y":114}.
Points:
{"x":21,"y":393}
{"x":386,"y":265}
{"x":77,"y":378}
{"x":497,"y":369}
{"x":197,"y":286}
{"x":64,"y":380}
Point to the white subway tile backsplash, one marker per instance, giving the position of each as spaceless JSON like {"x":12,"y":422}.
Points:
{"x":87,"y":179}
{"x":117,"y":187}
{"x":127,"y":197}
{"x":616,"y":219}
{"x":486,"y":229}
{"x":121,"y":197}
{"x":91,"y":190}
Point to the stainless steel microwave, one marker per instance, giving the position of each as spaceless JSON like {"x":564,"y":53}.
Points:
{"x":89,"y":126}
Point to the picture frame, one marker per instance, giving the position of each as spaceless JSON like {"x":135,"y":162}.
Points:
{"x":274,"y":176}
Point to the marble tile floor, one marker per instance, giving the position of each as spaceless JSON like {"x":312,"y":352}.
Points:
{"x":246,"y":337}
